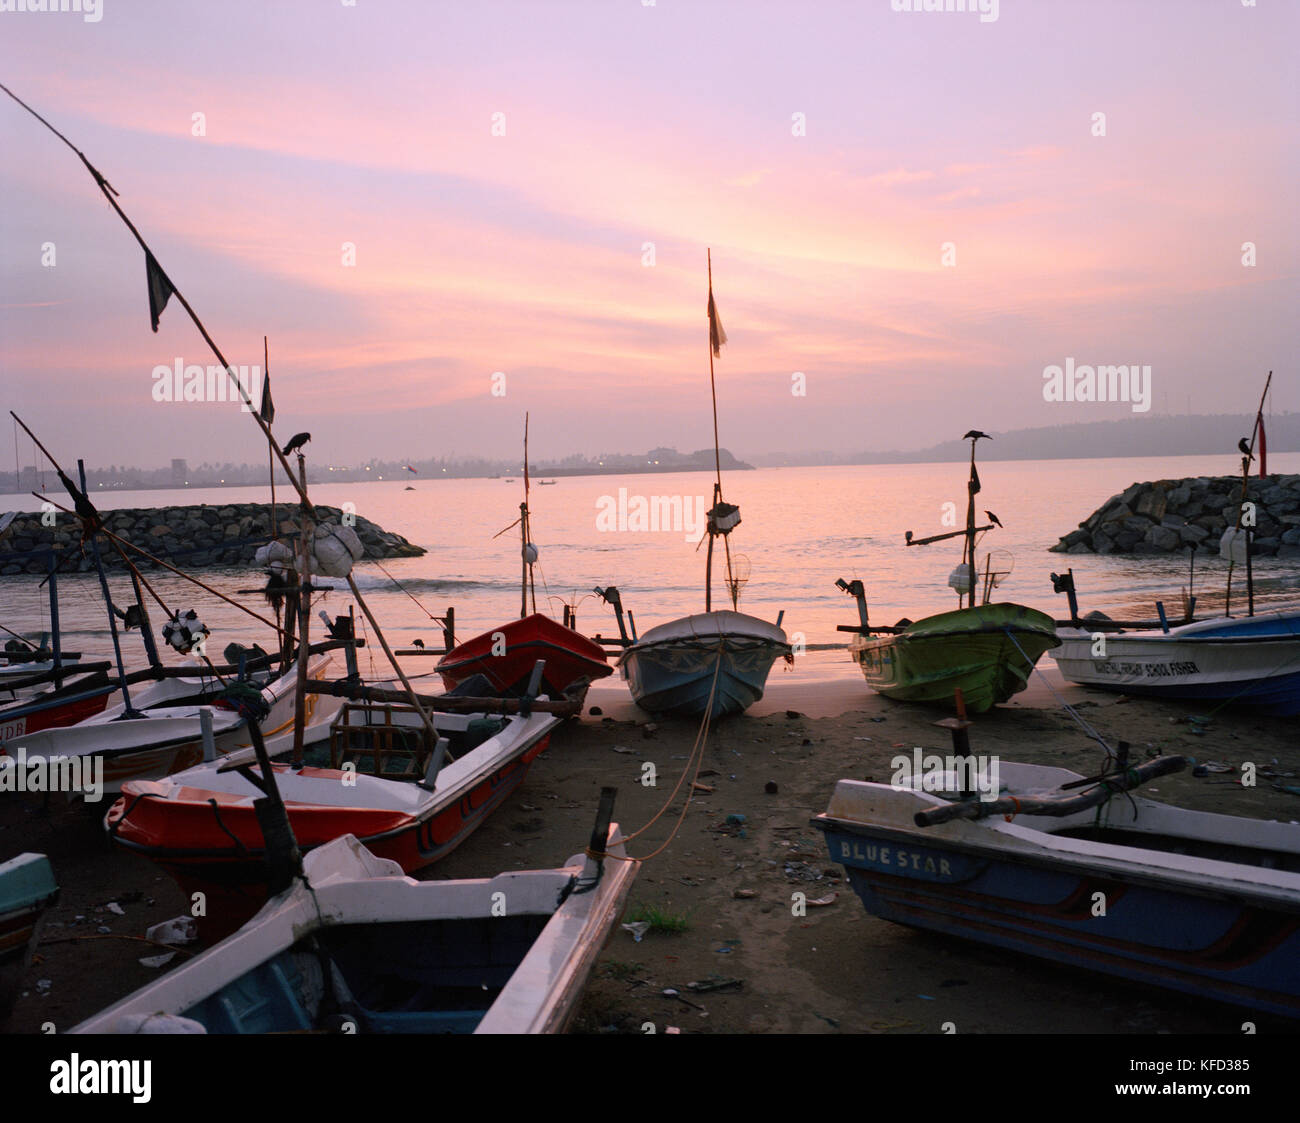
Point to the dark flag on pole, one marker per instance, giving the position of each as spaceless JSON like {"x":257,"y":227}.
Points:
{"x":160,"y":288}
{"x":974,"y":484}
{"x":1263,"y":448}
{"x":267,"y":410}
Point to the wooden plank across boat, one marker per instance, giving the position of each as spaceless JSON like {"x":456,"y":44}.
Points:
{"x":1201,"y":903}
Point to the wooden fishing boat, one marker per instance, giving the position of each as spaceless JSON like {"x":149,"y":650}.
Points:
{"x":506,"y":656}
{"x":711,"y":663}
{"x":27,"y":889}
{"x":1248,"y":661}
{"x":714,"y":662}
{"x":987,"y":651}
{"x":169,"y":737}
{"x":1201,"y":903}
{"x":374,"y":773}
{"x":359,"y":948}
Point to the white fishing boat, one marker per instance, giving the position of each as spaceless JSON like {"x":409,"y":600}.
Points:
{"x":711,"y":663}
{"x":168,"y":738}
{"x":1202,"y":903}
{"x":1249,"y":661}
{"x":357,"y":947}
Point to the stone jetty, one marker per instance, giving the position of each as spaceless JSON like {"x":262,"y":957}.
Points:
{"x":187,"y":537}
{"x":1167,"y":516}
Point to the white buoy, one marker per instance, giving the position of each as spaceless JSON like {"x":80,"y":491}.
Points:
{"x":530,"y":554}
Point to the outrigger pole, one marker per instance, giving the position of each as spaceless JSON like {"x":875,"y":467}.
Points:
{"x":168,"y":288}
{"x":1245,"y":484}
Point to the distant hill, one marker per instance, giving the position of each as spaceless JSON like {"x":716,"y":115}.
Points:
{"x":1196,"y":435}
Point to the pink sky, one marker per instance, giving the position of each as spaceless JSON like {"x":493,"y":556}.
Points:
{"x":627,"y":123}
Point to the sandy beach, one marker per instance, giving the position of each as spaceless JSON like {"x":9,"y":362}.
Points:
{"x":834,"y":970}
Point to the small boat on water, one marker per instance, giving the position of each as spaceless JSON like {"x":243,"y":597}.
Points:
{"x":374,"y":772}
{"x":27,"y":889}
{"x":167,"y":736}
{"x":711,"y":663}
{"x":1201,"y":903}
{"x":356,"y":947}
{"x":987,"y":651}
{"x":1247,"y":661}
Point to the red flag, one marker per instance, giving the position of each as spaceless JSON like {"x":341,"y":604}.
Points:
{"x":1263,"y":448}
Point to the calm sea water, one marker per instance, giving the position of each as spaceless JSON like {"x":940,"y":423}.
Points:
{"x":802,"y":528}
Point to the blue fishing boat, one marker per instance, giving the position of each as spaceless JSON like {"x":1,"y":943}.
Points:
{"x":1201,"y":903}
{"x":27,"y":889}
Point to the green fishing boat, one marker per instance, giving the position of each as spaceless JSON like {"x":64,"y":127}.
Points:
{"x":986,"y":651}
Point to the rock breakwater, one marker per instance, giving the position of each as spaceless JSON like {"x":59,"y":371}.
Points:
{"x":1168,"y":516}
{"x":187,"y":537}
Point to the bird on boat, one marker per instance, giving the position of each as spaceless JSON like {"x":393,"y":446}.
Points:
{"x":418,"y":643}
{"x":975,"y":435}
{"x":992,"y":518}
{"x":295,"y":442}
{"x":1244,"y":448}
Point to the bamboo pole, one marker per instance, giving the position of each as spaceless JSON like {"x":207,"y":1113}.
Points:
{"x":1245,"y":486}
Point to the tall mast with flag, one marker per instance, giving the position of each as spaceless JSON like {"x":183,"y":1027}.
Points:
{"x":723,"y":517}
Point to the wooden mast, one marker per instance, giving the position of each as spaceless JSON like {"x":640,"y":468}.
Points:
{"x":968,"y":552}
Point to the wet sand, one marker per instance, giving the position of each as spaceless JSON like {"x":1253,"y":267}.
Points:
{"x":834,"y":970}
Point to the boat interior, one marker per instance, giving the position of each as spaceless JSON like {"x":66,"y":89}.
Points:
{"x":428,"y":976}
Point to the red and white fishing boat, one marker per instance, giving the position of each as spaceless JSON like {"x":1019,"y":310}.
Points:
{"x":373,"y":774}
{"x":506,"y":655}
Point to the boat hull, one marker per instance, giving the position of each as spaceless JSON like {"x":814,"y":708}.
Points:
{"x":66,"y":707}
{"x":208,"y":837}
{"x":27,"y":889}
{"x":1252,"y":661}
{"x":1206,"y":930}
{"x":988,"y":652}
{"x":570,"y":657}
{"x":715,"y":663}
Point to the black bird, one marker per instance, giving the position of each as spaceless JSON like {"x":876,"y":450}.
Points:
{"x":1244,"y":448}
{"x":418,"y":643}
{"x":975,"y":434}
{"x":908,"y":536}
{"x":295,"y":442}
{"x":992,"y":518}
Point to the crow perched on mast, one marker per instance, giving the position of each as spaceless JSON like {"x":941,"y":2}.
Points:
{"x":992,"y":518}
{"x":975,"y":435}
{"x":1244,"y":448}
{"x":295,"y":443}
